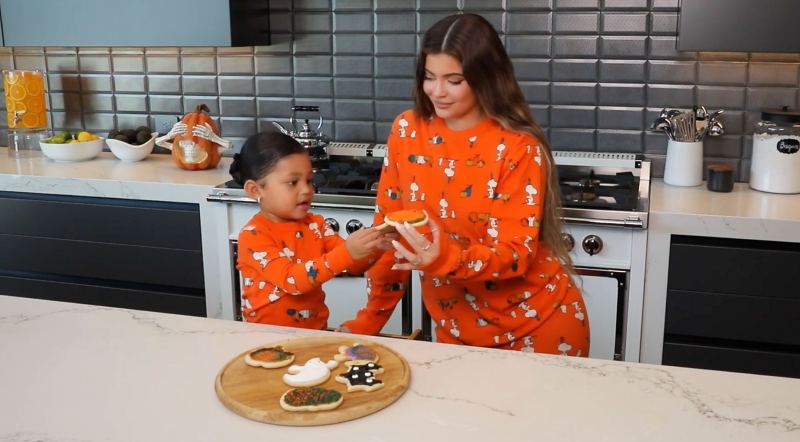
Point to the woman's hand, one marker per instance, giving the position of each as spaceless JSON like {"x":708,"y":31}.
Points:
{"x":423,"y":251}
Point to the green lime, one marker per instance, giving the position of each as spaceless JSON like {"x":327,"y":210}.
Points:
{"x":58,"y":139}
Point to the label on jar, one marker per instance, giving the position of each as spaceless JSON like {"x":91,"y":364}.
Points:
{"x":788,"y":145}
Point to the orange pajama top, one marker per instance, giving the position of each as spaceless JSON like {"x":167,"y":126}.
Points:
{"x":283,"y":267}
{"x":494,"y":283}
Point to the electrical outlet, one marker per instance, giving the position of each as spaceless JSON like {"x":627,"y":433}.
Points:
{"x":163,"y":123}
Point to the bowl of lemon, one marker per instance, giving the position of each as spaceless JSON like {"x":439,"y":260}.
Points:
{"x":68,"y":147}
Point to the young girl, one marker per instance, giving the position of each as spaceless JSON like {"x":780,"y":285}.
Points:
{"x":495,"y":271}
{"x":286,"y":253}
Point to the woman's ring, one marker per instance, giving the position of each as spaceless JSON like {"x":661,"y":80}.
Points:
{"x":427,"y":247}
{"x":417,"y":262}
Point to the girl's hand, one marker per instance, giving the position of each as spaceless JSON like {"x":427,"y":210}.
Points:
{"x":363,"y":242}
{"x":423,"y":251}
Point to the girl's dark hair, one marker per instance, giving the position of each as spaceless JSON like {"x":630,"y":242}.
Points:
{"x":260,"y":153}
{"x":471,"y":39}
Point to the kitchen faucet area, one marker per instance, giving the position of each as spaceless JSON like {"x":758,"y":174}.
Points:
{"x":675,"y":141}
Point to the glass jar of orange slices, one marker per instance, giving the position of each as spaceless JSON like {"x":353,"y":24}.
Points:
{"x":25,"y":109}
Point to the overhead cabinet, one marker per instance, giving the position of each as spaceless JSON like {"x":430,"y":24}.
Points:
{"x":135,"y":23}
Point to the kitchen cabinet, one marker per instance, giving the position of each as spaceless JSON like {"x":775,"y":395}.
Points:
{"x":733,"y":304}
{"x":739,"y":26}
{"x":136,"y":254}
{"x":135,"y":23}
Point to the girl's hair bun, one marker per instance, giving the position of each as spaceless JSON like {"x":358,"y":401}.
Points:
{"x":236,"y":169}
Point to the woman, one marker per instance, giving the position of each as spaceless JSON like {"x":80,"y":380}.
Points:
{"x":494,"y":268}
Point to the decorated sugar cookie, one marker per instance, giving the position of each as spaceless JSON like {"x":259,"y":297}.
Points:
{"x":413,"y":217}
{"x":356,"y":352}
{"x":361,"y":377}
{"x":269,"y":357}
{"x":311,"y":399}
{"x":313,"y":372}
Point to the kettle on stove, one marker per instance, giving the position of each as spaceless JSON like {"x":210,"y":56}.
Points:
{"x":312,"y":139}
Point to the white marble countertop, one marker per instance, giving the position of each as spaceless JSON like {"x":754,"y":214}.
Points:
{"x":156,"y":178}
{"x":73,"y":372}
{"x":742,"y":202}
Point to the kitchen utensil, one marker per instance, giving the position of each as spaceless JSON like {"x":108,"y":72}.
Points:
{"x":775,"y":162}
{"x":254,"y":392}
{"x":313,"y":140}
{"x":684,"y":166}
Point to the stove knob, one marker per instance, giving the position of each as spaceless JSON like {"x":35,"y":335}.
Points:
{"x":569,"y":241}
{"x":353,"y":225}
{"x":592,"y":245}
{"x":333,"y":224}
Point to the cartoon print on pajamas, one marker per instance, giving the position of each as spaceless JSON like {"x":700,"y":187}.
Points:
{"x":413,"y":187}
{"x":436,"y":139}
{"x":530,"y":190}
{"x":314,"y":227}
{"x":527,"y":344}
{"x":249,"y":228}
{"x":260,"y":258}
{"x":450,"y":170}
{"x":475,"y":265}
{"x":443,"y":205}
{"x":579,"y":312}
{"x":392,"y":193}
{"x":490,"y":185}
{"x":419,"y":159}
{"x":530,"y":221}
{"x":403,"y":124}
{"x":454,"y":331}
{"x":471,"y":301}
{"x":472,"y":141}
{"x":529,"y":312}
{"x":274,"y":295}
{"x":475,"y":161}
{"x":467,"y":192}
{"x":492,"y":230}
{"x":286,"y":252}
{"x":301,"y":315}
{"x":538,"y":156}
{"x":328,"y":229}
{"x":311,"y":271}
{"x":500,"y":148}
{"x":564,"y":347}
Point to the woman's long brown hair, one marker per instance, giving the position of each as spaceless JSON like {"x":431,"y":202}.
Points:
{"x":472,"y":40}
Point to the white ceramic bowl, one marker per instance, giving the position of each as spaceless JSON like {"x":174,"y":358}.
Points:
{"x":130,"y":152}
{"x":81,"y":151}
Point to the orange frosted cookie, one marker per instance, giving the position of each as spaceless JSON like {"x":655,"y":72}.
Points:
{"x":269,"y":357}
{"x":413,"y":217}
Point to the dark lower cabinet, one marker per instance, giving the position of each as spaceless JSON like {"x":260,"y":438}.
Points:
{"x":733,"y":305}
{"x":134,"y":254}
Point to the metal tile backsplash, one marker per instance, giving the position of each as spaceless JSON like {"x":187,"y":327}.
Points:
{"x":595,"y":72}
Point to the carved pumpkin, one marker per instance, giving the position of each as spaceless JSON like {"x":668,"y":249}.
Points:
{"x":196,"y":153}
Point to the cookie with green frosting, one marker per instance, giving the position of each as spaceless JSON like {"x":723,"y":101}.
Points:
{"x":311,"y":399}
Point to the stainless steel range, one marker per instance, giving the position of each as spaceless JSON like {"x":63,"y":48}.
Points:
{"x":606,"y":204}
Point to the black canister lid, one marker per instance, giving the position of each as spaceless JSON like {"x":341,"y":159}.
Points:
{"x":781,"y":116}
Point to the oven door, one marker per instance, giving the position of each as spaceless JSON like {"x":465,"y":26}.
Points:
{"x":604,"y":292}
{"x":344,"y":296}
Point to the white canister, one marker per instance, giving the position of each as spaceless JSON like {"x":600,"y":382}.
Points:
{"x":684,"y":165}
{"x":775,"y":163}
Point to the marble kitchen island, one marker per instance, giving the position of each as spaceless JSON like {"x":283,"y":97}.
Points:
{"x":75,"y":372}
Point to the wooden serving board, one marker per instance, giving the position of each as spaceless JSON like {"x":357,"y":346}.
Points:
{"x":254,"y":392}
